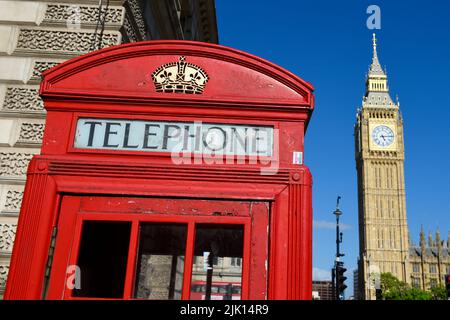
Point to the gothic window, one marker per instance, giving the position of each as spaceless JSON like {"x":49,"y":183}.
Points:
{"x":379,"y":238}
{"x":379,"y":177}
{"x":433,"y":283}
{"x":391,"y":177}
{"x":393,"y":208}
{"x":376,"y":176}
{"x":389,"y":208}
{"x":416,"y":267}
{"x":388,"y":177}
{"x":376,"y":205}
{"x":391,"y":239}
{"x":381,"y":207}
{"x":396,"y":245}
{"x":415,"y":282}
{"x":393,"y":174}
{"x":433,"y":268}
{"x":393,"y":170}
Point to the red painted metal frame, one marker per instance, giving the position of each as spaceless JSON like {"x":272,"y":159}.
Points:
{"x":116,"y":82}
{"x":252,"y":215}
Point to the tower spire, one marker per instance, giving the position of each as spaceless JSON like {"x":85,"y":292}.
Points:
{"x":438,"y":238}
{"x":376,"y":80}
{"x":375,"y":67}
{"x":430,"y":240}
{"x":422,"y":238}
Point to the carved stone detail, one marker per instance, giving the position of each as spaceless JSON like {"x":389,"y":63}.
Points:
{"x":13,"y":200}
{"x":128,"y":31}
{"x":7,"y":236}
{"x":136,"y":13}
{"x":31,"y":132}
{"x":57,"y":13}
{"x":4,"y":268}
{"x":23,"y":100}
{"x":61,"y":42}
{"x":41,"y":66}
{"x":14,"y":164}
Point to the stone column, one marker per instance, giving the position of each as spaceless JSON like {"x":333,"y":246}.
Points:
{"x":35,"y":36}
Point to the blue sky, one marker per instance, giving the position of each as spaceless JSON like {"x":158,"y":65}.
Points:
{"x":328,"y":44}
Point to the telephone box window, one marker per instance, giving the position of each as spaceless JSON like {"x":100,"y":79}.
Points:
{"x":220,"y":280}
{"x":102,"y":259}
{"x":160,"y":264}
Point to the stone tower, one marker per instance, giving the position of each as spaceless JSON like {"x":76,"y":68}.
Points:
{"x":379,"y":153}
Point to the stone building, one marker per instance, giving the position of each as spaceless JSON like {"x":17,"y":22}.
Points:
{"x":430,"y":261}
{"x":324,"y":289}
{"x":384,"y":241}
{"x":37,"y":35}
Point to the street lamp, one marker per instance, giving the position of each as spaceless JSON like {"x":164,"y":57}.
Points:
{"x":339,"y":269}
{"x":338,"y":213}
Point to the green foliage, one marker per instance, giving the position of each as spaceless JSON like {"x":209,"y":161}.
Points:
{"x":439,"y":293}
{"x":394,"y":289}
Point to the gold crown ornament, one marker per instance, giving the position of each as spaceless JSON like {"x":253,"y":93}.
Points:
{"x":180,"y":77}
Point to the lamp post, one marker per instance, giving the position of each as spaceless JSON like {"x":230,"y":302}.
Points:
{"x":337,"y":213}
{"x":339,"y":269}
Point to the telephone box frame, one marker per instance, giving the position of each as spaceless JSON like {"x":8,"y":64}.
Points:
{"x":116,"y":82}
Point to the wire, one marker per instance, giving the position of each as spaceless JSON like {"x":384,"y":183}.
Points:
{"x":100,"y":42}
{"x":94,"y":38}
{"x":97,"y":39}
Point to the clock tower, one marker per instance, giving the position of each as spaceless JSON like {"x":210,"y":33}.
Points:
{"x":379,"y":153}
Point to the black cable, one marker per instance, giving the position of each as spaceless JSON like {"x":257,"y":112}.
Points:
{"x":94,"y":40}
{"x":100,"y":42}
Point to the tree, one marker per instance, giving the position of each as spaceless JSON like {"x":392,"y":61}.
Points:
{"x":439,"y":293}
{"x":394,"y":289}
{"x":391,"y":287}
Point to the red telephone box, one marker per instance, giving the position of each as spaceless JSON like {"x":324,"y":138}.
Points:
{"x":168,"y":170}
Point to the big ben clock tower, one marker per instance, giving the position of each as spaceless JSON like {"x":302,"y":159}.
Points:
{"x":379,"y":153}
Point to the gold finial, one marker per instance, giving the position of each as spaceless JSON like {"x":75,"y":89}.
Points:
{"x":374,"y":40}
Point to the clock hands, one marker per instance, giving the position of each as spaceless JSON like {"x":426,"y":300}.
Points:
{"x":388,"y":136}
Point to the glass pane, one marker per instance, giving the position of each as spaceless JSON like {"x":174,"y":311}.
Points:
{"x":216,"y":275}
{"x":102,"y":259}
{"x":160,"y":261}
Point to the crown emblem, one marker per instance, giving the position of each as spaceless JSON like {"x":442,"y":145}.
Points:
{"x":180,"y":77}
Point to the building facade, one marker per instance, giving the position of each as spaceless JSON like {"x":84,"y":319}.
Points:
{"x":384,"y":241}
{"x":37,"y":35}
{"x":430,"y":261}
{"x":324,"y":289}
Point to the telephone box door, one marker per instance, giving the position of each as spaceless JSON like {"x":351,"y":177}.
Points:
{"x":159,"y":248}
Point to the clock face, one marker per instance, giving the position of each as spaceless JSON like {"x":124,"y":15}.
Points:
{"x":383,"y":136}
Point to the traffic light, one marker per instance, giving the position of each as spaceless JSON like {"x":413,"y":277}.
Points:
{"x":447,"y":285}
{"x":378,"y":294}
{"x":340,"y":279}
